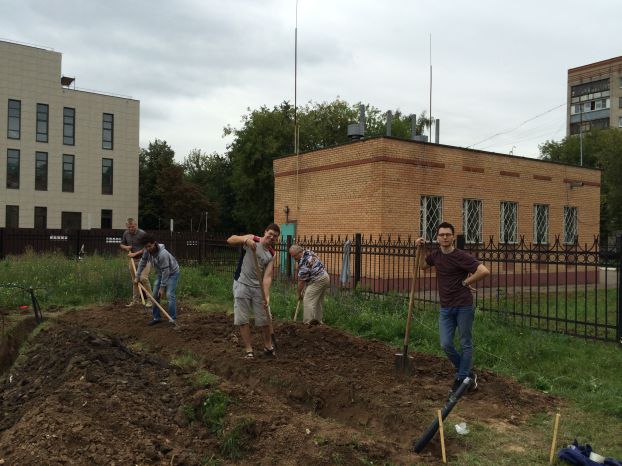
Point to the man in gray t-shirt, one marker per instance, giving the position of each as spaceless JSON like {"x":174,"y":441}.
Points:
{"x":247,"y":297}
{"x":132,"y":244}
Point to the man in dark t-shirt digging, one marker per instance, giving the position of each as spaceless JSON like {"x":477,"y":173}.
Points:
{"x":456,"y":271}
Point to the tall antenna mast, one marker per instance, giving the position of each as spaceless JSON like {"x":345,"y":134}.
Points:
{"x":430,"y":115}
{"x":296,"y":129}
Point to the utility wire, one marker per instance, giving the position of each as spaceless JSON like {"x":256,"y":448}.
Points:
{"x":515,"y":128}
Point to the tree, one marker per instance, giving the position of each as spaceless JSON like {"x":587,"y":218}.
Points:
{"x":601,"y":149}
{"x":212,"y":174}
{"x":164,"y":192}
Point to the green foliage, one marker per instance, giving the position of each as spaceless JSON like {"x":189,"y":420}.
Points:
{"x":165,"y":192}
{"x":185,"y":361}
{"x":237,"y":440}
{"x":213,"y":410}
{"x":203,"y":378}
{"x":212,"y":174}
{"x":601,"y":149}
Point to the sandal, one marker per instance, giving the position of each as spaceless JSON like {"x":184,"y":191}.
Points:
{"x":249,"y":355}
{"x":269,"y":352}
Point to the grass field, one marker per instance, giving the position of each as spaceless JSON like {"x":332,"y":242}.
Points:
{"x":586,"y":373}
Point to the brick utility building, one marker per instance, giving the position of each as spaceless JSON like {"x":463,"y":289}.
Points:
{"x":394,"y":186}
{"x":68,"y":158}
{"x":595,"y":96}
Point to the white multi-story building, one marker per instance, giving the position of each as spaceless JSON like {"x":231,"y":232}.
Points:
{"x":68,"y":157}
{"x":595,"y":96}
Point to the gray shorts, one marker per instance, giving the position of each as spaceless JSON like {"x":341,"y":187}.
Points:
{"x":245,"y":300}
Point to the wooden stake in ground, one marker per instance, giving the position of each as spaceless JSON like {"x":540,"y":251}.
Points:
{"x":557,"y":416}
{"x":133,"y":267}
{"x":155,"y":301}
{"x":440,"y":431}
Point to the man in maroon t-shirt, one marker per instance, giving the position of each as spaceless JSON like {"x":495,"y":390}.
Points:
{"x":456,"y":271}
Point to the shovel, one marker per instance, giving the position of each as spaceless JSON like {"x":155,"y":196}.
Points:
{"x":155,"y":301}
{"x":403,"y":361}
{"x":263,"y":295}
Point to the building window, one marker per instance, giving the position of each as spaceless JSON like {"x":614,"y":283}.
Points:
{"x":571,"y":221}
{"x":106,"y":176}
{"x":620,"y":102}
{"x":508,"y":222}
{"x":620,"y":122}
{"x":620,"y":78}
{"x":430,"y":216}
{"x":43,"y":114}
{"x":68,"y":173}
{"x":71,"y":220}
{"x":12,"y":216}
{"x":41,"y":218}
{"x":69,"y":126}
{"x":107,"y":131}
{"x":15,"y":119}
{"x":12,"y":168}
{"x":472,"y":220}
{"x":540,"y":224}
{"x":106,"y":221}
{"x":41,"y":171}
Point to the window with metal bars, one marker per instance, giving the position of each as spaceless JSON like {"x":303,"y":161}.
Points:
{"x":570,"y":225}
{"x":540,"y":224}
{"x":472,"y":220}
{"x":508,"y":222}
{"x":430,"y":216}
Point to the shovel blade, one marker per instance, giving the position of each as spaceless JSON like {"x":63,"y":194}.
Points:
{"x":404,"y":364}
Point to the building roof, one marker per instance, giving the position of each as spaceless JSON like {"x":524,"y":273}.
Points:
{"x":609,"y":61}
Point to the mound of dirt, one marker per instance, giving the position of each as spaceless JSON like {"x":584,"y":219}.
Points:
{"x":85,"y":394}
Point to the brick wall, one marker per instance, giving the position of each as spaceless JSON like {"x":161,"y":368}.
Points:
{"x":374,"y":187}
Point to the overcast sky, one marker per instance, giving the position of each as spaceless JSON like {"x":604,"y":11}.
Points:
{"x":197,"y":65}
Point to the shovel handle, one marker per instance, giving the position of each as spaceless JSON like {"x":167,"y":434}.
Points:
{"x":133,"y":267}
{"x":155,"y":301}
{"x":297,"y":308}
{"x":263,"y":296}
{"x":411,"y":299}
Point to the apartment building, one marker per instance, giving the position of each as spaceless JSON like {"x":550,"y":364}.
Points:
{"x":68,"y":157}
{"x":595,"y":96}
{"x":394,"y":186}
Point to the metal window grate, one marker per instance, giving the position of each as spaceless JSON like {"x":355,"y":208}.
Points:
{"x":472,"y":220}
{"x":431,"y":215}
{"x":570,"y":225}
{"x":540,"y":224}
{"x":508,"y":224}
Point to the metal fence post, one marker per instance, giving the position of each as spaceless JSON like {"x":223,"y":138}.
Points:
{"x":619,"y":309}
{"x":357,"y":259}
{"x":287,"y":259}
{"x":78,"y":238}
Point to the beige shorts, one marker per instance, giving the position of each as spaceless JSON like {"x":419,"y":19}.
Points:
{"x":247,"y":300}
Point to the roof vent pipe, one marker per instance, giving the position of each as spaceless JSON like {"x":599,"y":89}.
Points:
{"x":389,"y":122}
{"x":438,"y":130}
{"x":357,"y":130}
{"x":413,"y":127}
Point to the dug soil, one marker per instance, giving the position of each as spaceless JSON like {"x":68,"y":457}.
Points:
{"x":99,"y":386}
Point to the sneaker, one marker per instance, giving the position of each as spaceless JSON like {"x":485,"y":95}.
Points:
{"x":154,"y":322}
{"x":148,"y":303}
{"x":130,"y":304}
{"x":249,"y":355}
{"x":473,"y":384}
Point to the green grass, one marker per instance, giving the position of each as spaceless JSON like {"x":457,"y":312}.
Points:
{"x":213,"y":410}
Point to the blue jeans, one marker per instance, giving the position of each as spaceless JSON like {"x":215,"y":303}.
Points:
{"x":171,"y":296}
{"x":449,"y":319}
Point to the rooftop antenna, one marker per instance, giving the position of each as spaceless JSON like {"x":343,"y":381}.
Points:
{"x":296,"y":128}
{"x":430,"y":115}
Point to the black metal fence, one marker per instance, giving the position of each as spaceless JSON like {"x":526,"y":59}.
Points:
{"x":573,"y":289}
